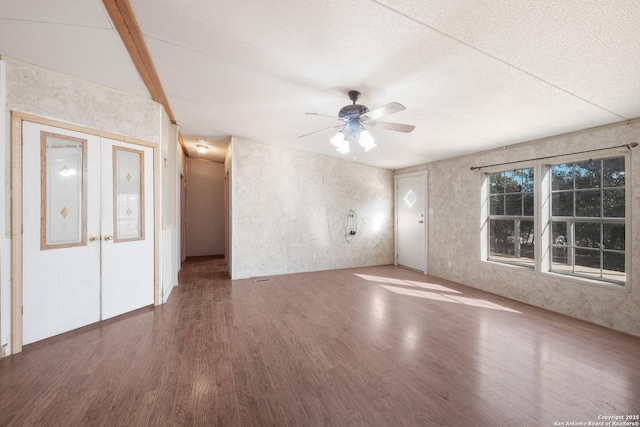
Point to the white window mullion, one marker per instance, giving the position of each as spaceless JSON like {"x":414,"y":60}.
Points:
{"x":542,"y":221}
{"x":571,"y":244}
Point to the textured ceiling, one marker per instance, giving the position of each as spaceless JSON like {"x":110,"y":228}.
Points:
{"x":473,"y":74}
{"x":73,"y":37}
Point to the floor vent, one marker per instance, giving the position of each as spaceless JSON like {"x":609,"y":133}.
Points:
{"x":263,"y":280}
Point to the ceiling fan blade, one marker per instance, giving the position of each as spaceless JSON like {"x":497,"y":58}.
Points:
{"x":385,"y":110}
{"x":321,"y":130}
{"x":323,"y":115}
{"x":398,"y":127}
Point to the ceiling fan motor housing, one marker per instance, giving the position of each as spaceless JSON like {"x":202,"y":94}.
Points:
{"x":352,"y":111}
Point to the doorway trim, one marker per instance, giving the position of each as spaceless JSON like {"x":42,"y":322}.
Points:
{"x":16,"y":211}
{"x":425,"y":245}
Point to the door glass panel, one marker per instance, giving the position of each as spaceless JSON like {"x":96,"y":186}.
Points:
{"x":63,"y":187}
{"x":128,"y":194}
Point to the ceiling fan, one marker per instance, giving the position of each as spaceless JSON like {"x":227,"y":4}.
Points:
{"x":356,"y":119}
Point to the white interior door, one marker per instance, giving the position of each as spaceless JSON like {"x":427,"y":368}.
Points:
{"x":411,"y":221}
{"x":127,"y":228}
{"x":88,"y":229}
{"x":61,"y":211}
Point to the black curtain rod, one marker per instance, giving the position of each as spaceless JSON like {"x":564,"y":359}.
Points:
{"x":629,"y":145}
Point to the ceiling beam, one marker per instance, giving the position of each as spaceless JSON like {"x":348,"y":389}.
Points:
{"x":127,"y":27}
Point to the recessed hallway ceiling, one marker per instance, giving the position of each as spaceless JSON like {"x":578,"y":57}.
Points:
{"x":473,"y":74}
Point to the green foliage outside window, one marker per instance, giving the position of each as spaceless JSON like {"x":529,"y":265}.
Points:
{"x":511,"y":210}
{"x":588,"y":218}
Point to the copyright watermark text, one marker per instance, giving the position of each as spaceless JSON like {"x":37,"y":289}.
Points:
{"x":604,"y":421}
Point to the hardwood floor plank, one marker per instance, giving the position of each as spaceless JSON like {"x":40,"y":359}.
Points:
{"x":374,"y":346}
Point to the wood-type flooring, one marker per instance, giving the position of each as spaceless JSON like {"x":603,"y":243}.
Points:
{"x":375,"y":346}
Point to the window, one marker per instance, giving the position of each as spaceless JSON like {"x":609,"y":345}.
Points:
{"x":581,"y":218}
{"x":511,"y":216}
{"x":588,"y":219}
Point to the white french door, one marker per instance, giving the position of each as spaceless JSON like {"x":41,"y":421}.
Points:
{"x":127,"y":227}
{"x":411,"y":221}
{"x":88,"y":229}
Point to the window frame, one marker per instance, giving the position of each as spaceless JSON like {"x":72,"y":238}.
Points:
{"x":571,"y":221}
{"x":517,"y":219}
{"x":543,"y":218}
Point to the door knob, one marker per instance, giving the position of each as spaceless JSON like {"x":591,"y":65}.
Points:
{"x":419,"y":222}
{"x":108,"y":237}
{"x":94,"y":238}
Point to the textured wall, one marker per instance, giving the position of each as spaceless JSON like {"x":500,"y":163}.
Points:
{"x":38,"y":91}
{"x":290,"y":211}
{"x":454,"y":233}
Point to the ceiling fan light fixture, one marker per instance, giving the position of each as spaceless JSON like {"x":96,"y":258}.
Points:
{"x":338,"y":139}
{"x":355,"y":117}
{"x":343,"y":147}
{"x":366,"y":140}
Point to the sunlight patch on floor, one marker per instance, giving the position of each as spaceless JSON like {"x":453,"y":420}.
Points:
{"x":432,"y":286}
{"x":382,"y":279}
{"x":431,"y":291}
